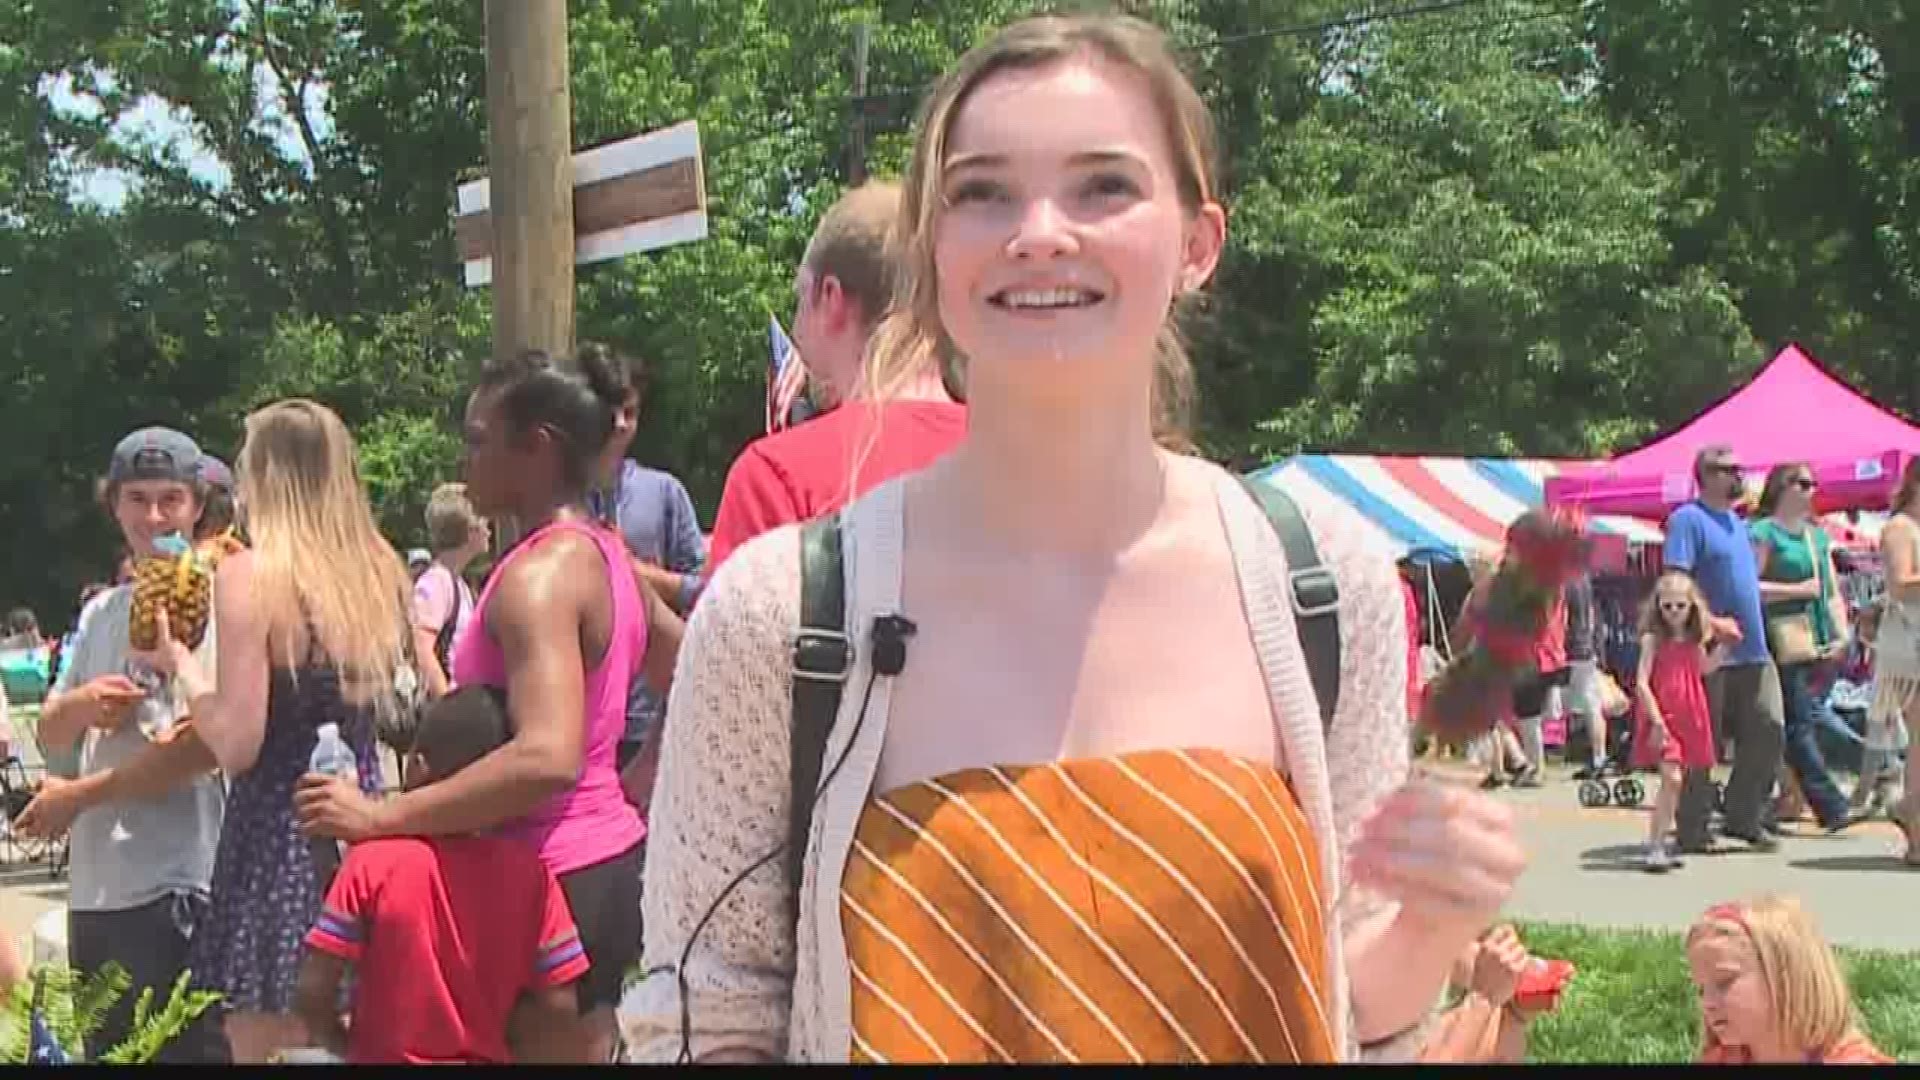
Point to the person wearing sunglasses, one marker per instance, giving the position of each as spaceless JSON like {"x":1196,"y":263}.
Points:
{"x":1806,"y":623}
{"x":1708,"y":541}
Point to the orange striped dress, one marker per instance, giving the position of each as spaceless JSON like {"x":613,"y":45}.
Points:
{"x":1162,"y":906}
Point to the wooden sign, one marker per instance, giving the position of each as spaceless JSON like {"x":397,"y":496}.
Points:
{"x":629,"y":196}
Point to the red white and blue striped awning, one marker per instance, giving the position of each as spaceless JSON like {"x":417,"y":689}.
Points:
{"x":1437,"y":507}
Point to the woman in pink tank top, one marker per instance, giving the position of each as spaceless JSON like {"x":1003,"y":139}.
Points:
{"x":564,"y":627}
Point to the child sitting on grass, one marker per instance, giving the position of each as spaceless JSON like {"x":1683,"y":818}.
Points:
{"x":1502,"y":988}
{"x":463,"y":946}
{"x":1771,"y":989}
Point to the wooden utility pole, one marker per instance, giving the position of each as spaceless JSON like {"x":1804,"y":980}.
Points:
{"x":857,"y":145}
{"x":529,"y":161}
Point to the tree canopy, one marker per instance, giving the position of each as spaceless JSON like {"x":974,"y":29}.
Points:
{"x":1480,"y":226}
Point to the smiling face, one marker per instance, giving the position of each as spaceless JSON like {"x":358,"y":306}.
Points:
{"x":1735,"y":1004}
{"x":149,"y":509}
{"x":1061,"y":235}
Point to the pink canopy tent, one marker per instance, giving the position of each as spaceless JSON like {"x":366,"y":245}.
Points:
{"x":1793,"y":410}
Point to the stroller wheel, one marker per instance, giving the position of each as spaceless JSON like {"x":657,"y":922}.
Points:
{"x":1628,"y":792}
{"x":1593,"y":794}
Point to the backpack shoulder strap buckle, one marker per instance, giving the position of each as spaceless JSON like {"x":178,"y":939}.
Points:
{"x":1315,"y":591}
{"x":821,"y":655}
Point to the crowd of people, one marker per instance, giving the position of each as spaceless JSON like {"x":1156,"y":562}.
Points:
{"x":1740,"y":641}
{"x":1054,"y":815}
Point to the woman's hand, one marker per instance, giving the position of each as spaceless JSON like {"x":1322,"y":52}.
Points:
{"x":332,"y":807}
{"x":170,"y":656}
{"x":1448,"y":856}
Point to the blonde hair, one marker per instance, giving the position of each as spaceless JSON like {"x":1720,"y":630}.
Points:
{"x":911,"y":339}
{"x":1699,"y":629}
{"x":1811,"y":1003}
{"x":1909,"y":489}
{"x":319,"y":559}
{"x":856,"y":245}
{"x":450,"y":517}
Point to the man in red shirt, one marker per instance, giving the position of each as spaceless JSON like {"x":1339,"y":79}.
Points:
{"x":463,"y":946}
{"x":845,"y":284}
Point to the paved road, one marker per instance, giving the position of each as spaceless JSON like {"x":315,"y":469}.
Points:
{"x":1586,"y":870}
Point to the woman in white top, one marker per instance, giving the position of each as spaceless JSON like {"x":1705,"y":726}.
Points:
{"x":1896,"y":648}
{"x":1095,"y":817}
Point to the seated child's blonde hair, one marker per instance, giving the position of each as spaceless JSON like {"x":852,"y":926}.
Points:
{"x":1811,"y":1002}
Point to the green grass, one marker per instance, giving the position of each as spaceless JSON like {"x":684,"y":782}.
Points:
{"x":1631,"y":1001}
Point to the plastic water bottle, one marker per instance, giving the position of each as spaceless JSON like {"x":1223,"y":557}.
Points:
{"x":331,"y":757}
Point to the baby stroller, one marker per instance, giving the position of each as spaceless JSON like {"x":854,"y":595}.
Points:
{"x":1615,"y":782}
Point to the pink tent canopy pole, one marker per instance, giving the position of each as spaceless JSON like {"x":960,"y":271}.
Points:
{"x":1793,"y":410}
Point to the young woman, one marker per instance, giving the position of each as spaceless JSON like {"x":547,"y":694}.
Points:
{"x":310,"y":623}
{"x":1675,"y":730}
{"x":1095,"y":816}
{"x":1896,"y":648}
{"x":1801,"y":589}
{"x":564,"y":626}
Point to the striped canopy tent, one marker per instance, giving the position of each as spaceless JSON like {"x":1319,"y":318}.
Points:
{"x":1441,"y":508}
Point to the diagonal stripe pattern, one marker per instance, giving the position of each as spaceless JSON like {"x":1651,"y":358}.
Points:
{"x":1161,"y":906}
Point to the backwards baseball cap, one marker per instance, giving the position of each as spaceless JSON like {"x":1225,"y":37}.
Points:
{"x":214,"y":472}
{"x":156,"y":453}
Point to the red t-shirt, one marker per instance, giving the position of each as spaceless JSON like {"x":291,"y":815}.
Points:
{"x":806,"y":471}
{"x":445,"y":934}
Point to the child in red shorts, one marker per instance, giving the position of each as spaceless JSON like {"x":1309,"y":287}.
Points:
{"x":456,"y":941}
{"x":1674,"y":731}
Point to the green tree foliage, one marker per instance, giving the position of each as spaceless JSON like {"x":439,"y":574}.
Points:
{"x":1499,"y":226}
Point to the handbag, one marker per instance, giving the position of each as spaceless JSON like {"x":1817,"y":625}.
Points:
{"x":1790,"y":637}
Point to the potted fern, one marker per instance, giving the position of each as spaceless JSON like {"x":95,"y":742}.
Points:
{"x":71,"y":1007}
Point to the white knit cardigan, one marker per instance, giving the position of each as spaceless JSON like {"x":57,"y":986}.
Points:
{"x":720,"y":805}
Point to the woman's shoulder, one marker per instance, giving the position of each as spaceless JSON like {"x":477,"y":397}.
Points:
{"x":756,"y":588}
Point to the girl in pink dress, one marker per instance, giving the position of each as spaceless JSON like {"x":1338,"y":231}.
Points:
{"x":1673,"y":731}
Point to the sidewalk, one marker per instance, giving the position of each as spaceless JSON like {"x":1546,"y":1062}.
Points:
{"x":1585,"y":869}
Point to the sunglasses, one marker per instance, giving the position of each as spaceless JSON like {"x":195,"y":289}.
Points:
{"x":1676,"y":605}
{"x":1725,"y":468}
{"x":1806,"y":483}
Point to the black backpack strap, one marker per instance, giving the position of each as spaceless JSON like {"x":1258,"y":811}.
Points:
{"x":822,"y":660}
{"x":1314,"y":592}
{"x":443,"y":639}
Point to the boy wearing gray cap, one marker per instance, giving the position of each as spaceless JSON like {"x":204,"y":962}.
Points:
{"x":141,"y":863}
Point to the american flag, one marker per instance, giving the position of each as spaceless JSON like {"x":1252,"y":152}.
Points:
{"x":786,"y":377}
{"x":42,"y":1047}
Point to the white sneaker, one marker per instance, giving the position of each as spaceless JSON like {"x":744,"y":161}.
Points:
{"x":1657,"y":861}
